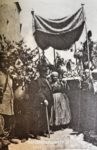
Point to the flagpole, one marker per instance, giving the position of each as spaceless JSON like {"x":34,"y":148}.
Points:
{"x":86,"y":37}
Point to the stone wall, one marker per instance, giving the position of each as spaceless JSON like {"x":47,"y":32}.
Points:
{"x":10,"y":19}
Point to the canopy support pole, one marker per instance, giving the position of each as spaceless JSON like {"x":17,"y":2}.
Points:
{"x":75,"y":51}
{"x":86,"y":37}
{"x":38,"y":52}
{"x":43,"y":53}
{"x":54,"y":57}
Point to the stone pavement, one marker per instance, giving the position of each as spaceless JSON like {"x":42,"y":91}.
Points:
{"x":60,"y":140}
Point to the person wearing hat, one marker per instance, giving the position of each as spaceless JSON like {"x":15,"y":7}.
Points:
{"x":42,"y":98}
{"x":62,"y":115}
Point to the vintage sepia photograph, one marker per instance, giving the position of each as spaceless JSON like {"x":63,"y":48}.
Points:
{"x":48,"y":75}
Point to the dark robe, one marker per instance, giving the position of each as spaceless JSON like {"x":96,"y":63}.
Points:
{"x":22,"y":112}
{"x":40,"y":90}
{"x":85,"y":52}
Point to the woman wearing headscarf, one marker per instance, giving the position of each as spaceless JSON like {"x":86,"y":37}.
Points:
{"x":62,"y":115}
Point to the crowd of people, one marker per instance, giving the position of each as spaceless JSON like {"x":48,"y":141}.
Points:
{"x":33,"y":102}
{"x":30,"y":105}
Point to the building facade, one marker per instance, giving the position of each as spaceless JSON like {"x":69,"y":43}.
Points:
{"x":10,"y":25}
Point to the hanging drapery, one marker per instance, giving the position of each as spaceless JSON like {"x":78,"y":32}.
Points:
{"x":58,"y":33}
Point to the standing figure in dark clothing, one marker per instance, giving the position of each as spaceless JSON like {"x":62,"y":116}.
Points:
{"x":22,"y":112}
{"x":85,"y":50}
{"x":41,"y":97}
{"x":68,"y":65}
